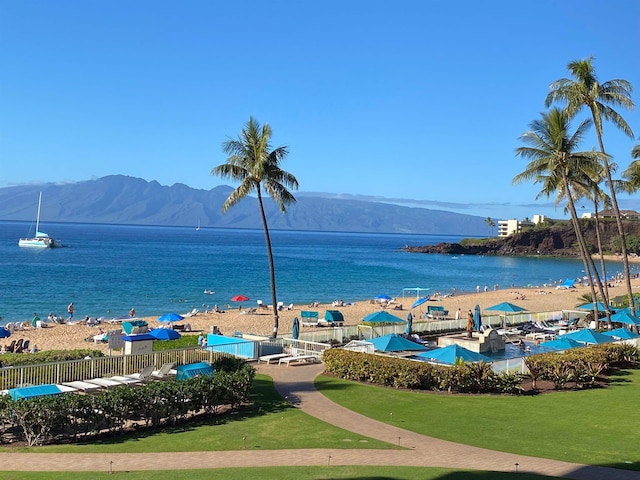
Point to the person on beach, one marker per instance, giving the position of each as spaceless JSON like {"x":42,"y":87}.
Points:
{"x":35,"y":322}
{"x":70,"y":311}
{"x":132,"y":312}
{"x":458,"y":314}
{"x":470,"y":324}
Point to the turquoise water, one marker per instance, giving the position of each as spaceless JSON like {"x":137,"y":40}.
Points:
{"x":107,"y":269}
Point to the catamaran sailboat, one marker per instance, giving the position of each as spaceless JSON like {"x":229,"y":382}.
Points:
{"x":41,"y":240}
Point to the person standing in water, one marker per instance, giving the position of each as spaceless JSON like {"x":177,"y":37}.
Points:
{"x":70,"y":311}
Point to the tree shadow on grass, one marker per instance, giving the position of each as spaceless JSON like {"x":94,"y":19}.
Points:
{"x":619,"y":377}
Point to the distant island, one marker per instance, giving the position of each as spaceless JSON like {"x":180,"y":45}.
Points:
{"x":553,"y":238}
{"x":123,"y":200}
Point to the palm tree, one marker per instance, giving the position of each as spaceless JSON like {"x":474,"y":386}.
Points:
{"x":586,"y":91}
{"x":252,"y":163}
{"x":490,"y":223}
{"x":553,"y":161}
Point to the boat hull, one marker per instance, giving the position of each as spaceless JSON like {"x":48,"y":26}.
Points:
{"x":40,"y":242}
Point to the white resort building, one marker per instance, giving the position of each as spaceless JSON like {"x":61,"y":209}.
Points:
{"x":509,"y":227}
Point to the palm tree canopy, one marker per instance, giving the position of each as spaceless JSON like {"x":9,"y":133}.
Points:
{"x":254,"y":165}
{"x":552,"y":151}
{"x":585,"y":90}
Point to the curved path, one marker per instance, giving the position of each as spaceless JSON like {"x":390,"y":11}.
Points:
{"x":295,"y":383}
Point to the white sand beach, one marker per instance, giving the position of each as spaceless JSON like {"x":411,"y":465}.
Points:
{"x":59,"y":337}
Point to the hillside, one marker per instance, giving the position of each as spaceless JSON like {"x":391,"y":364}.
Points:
{"x":558,"y":239}
{"x":119,"y":199}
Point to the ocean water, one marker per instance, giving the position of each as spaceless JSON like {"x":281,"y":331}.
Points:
{"x":108,"y":269}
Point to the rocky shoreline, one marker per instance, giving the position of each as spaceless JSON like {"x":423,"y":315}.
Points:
{"x":557,"y":240}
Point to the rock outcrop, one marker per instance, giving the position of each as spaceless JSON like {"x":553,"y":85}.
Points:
{"x":558,"y":239}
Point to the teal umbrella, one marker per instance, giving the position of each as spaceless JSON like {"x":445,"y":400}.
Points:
{"x":507,"y":308}
{"x":590,"y":306}
{"x":624,"y":316}
{"x":561,"y":344}
{"x":395,"y":343}
{"x":382,"y":316}
{"x":450,"y":353}
{"x":295,"y":329}
{"x":587,"y":335}
{"x":477,"y":319}
{"x":621,"y":334}
{"x":409,"y":323}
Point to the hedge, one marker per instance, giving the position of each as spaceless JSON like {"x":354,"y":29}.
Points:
{"x":72,"y":416}
{"x":579,"y":367}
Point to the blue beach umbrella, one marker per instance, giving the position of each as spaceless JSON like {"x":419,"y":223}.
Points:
{"x":587,"y":335}
{"x":382,"y":316}
{"x":383,"y":297}
{"x":419,"y":302}
{"x":164,"y":334}
{"x":295,"y":329}
{"x":170,"y":317}
{"x":395,"y":343}
{"x":621,"y":334}
{"x":409,"y":323}
{"x":450,"y":353}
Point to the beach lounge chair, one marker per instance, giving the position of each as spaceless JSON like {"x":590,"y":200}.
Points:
{"x":10,"y":347}
{"x":308,"y":318}
{"x":164,"y":372}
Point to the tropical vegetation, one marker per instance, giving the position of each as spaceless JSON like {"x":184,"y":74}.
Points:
{"x":584,"y":90}
{"x":256,"y":166}
{"x":568,"y":174}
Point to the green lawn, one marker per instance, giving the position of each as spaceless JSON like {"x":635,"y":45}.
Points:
{"x":594,"y":427}
{"x":282,"y":473}
{"x":270,"y":424}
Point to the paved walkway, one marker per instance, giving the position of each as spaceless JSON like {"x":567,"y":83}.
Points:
{"x":295,"y":383}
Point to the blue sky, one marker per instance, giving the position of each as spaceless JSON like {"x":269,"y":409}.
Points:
{"x":418,"y":102}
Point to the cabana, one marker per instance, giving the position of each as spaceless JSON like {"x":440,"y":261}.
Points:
{"x":417,"y":290}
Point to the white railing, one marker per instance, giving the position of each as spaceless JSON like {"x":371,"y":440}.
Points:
{"x":72,"y":370}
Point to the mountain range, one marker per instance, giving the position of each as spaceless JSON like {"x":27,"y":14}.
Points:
{"x":119,"y":199}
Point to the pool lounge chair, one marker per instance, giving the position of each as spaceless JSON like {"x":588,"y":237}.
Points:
{"x":144,"y":375}
{"x":297,"y":359}
{"x":105,"y":382}
{"x":164,"y":372}
{"x":273,"y":357}
{"x":83,"y":386}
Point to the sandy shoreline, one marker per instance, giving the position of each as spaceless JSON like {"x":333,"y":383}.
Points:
{"x":60,"y":337}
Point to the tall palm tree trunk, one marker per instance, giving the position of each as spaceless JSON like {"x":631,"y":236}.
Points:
{"x":603,"y":265}
{"x":272,"y":270}
{"x":616,"y":211}
{"x":583,"y":247}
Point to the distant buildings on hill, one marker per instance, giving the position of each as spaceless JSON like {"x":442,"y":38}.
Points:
{"x":626,"y":214}
{"x":509,"y":227}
